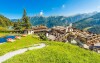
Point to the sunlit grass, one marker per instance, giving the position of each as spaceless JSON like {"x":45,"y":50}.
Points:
{"x":18,"y":44}
{"x":3,"y":34}
{"x":56,"y":52}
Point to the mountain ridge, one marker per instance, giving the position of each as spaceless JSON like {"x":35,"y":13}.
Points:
{"x":56,"y":20}
{"x":93,"y":22}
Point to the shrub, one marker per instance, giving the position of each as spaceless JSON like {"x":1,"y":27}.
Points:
{"x":43,"y":36}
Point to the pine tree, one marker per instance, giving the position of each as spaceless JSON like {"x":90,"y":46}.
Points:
{"x":26,"y":21}
{"x":24,"y":13}
{"x":17,"y":25}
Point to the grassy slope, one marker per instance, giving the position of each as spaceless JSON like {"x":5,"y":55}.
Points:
{"x":3,"y":34}
{"x":57,"y":53}
{"x":24,"y":42}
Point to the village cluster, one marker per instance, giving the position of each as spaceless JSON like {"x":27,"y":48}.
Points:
{"x":81,"y":38}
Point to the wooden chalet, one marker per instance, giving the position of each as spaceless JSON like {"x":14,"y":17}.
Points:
{"x":28,"y":31}
{"x":40,"y":29}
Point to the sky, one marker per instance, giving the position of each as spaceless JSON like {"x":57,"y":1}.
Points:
{"x":13,"y":9}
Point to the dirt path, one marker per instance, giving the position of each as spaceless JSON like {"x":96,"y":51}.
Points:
{"x":20,"y":51}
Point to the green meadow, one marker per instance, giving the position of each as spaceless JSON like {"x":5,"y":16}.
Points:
{"x":18,"y":44}
{"x":3,"y":34}
{"x":57,"y":52}
{"x":54,"y":52}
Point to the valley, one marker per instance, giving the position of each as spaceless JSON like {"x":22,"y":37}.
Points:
{"x":50,"y":31}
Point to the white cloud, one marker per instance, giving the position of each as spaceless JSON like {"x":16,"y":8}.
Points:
{"x":41,"y":13}
{"x":63,"y":6}
{"x":98,"y":7}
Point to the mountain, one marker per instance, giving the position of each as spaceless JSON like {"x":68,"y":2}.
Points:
{"x":91,"y":24}
{"x":14,"y":20}
{"x":75,"y":18}
{"x":48,"y":21}
{"x":58,"y":20}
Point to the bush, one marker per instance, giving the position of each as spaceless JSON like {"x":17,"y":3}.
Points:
{"x":43,"y":36}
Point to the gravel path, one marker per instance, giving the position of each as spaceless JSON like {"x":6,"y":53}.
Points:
{"x":20,"y":51}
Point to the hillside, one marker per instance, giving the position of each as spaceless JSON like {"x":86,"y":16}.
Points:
{"x":57,"y":52}
{"x":92,"y":24}
{"x":18,"y":44}
{"x":4,"y":22}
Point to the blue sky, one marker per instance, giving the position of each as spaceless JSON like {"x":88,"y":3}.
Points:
{"x":14,"y":8}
